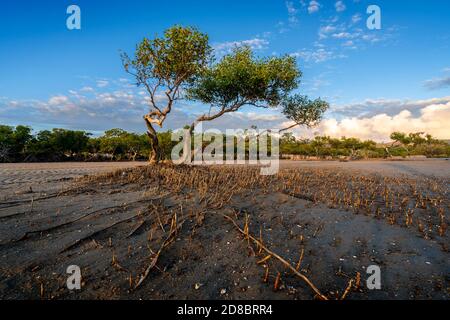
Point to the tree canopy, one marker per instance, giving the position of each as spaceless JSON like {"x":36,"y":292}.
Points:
{"x":181,"y":62}
{"x":241,"y":79}
{"x":303,"y":111}
{"x":167,"y":64}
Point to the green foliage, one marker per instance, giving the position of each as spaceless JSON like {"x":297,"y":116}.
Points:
{"x":304,"y":111}
{"x":166,"y":143}
{"x":413,"y":143}
{"x":121,"y":144}
{"x":41,"y":146}
{"x":183,"y":59}
{"x":323,"y":146}
{"x":400,"y":137}
{"x":69,"y":141}
{"x":179,"y":56}
{"x":18,"y":144}
{"x":13,"y":142}
{"x":240,"y":78}
{"x":168,"y":64}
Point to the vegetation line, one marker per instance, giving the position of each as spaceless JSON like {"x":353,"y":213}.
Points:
{"x":20,"y":145}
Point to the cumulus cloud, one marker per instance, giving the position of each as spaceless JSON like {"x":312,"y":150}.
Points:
{"x":371,"y":107}
{"x":101,"y":110}
{"x":356,"y":18}
{"x":313,"y":6}
{"x":227,"y":47}
{"x":438,"y":83}
{"x":340,"y":6}
{"x":349,"y":44}
{"x":324,"y":31}
{"x":292,"y":13}
{"x":432,"y":119}
{"x":102,"y":83}
{"x":94,"y":111}
{"x":87,"y":89}
{"x":317,"y":56}
{"x":58,"y":100}
{"x":342,"y":35}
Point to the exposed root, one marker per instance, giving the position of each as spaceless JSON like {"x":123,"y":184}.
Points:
{"x":9,"y":204}
{"x":92,"y":234}
{"x":60,"y":225}
{"x":136,"y":229}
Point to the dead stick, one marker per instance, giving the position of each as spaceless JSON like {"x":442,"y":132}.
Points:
{"x":299,"y":263}
{"x":347,"y":290}
{"x":287,"y":264}
{"x":153,"y":262}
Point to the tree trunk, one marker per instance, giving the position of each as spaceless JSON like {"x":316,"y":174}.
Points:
{"x":155,"y":154}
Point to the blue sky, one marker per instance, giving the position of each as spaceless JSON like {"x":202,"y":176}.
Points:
{"x":55,"y":77}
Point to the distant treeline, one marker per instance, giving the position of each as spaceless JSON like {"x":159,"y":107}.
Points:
{"x":19,"y":144}
{"x":402,"y":145}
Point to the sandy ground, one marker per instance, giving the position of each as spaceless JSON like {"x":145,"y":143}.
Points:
{"x":339,"y":217}
{"x":420,"y":168}
{"x":20,"y":177}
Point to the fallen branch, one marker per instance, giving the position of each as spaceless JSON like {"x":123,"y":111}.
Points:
{"x":299,"y":263}
{"x":173,"y":231}
{"x":298,"y":195}
{"x":283,"y":261}
{"x":347,"y":290}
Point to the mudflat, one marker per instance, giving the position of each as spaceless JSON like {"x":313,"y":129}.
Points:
{"x":419,"y":168}
{"x":181,"y":232}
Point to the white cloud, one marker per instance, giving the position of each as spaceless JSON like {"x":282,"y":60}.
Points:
{"x":87,"y":89}
{"x":102,"y":83}
{"x":317,"y":56}
{"x":58,"y":100}
{"x":342,"y":35}
{"x":433,"y":119}
{"x":371,"y":107}
{"x":254,"y":116}
{"x":340,"y":6}
{"x":324,"y":31}
{"x":349,"y":43}
{"x":292,"y":13}
{"x":314,"y":6}
{"x":356,"y":18}
{"x":227,"y":47}
{"x":438,"y":83}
